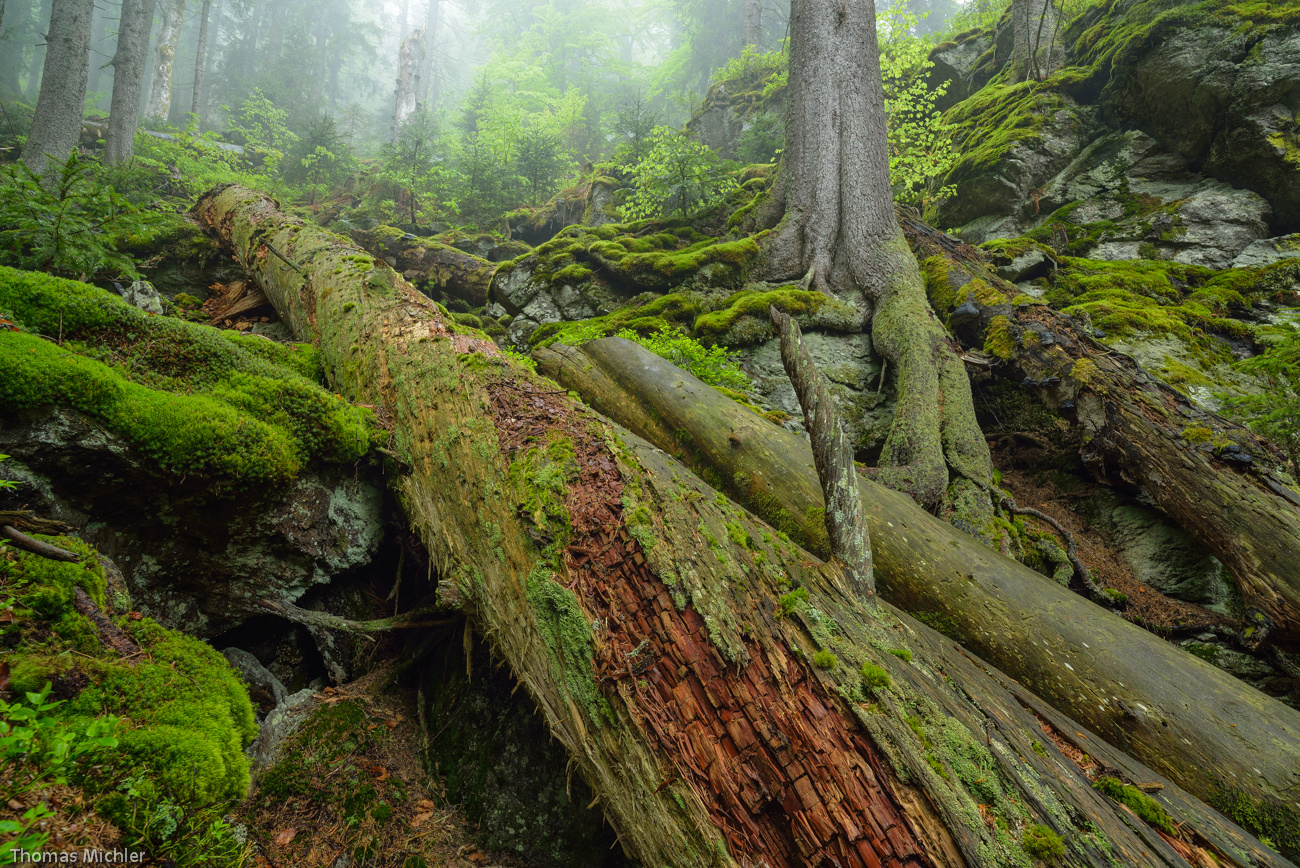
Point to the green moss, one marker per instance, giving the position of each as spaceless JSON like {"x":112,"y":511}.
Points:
{"x":788,"y":604}
{"x":1147,"y":808}
{"x":1279,"y":823}
{"x":998,"y":339}
{"x":825,"y":660}
{"x":755,"y":305}
{"x":194,"y":399}
{"x":1042,"y":843}
{"x":874,"y":677}
{"x":902,"y":654}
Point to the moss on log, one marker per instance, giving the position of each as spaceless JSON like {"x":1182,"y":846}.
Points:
{"x":643,"y":613}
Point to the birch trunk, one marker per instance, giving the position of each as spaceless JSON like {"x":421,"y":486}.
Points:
{"x":164,"y":64}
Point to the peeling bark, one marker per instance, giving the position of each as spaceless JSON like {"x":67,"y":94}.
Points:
{"x":642,"y":613}
{"x":1194,"y":723}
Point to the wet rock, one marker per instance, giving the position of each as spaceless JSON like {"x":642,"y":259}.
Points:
{"x":264,"y":689}
{"x":193,"y":560}
{"x":958,"y":64}
{"x":1266,"y":251}
{"x":141,"y":294}
{"x":282,"y":722}
{"x":1033,"y":263}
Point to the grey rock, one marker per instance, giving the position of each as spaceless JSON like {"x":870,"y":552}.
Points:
{"x":1033,"y":263}
{"x":495,"y":310}
{"x":851,"y":365}
{"x":955,"y":63}
{"x":265,"y":689}
{"x":191,"y":559}
{"x":283,"y":721}
{"x":141,"y":294}
{"x":1266,"y":251}
{"x":521,"y":328}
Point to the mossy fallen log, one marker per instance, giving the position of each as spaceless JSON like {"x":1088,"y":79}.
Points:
{"x":1216,"y":736}
{"x":726,"y":696}
{"x":430,"y":263}
{"x":1214,"y":477}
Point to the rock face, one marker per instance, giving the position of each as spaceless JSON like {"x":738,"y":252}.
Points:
{"x":1227,"y":100}
{"x":959,"y":64}
{"x":1266,"y":251}
{"x":191,"y":560}
{"x":852,"y":367}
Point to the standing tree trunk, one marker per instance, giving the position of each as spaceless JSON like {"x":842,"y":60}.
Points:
{"x":99,"y":34}
{"x":427,"y":89}
{"x":11,"y":47}
{"x":837,"y":227}
{"x":200,"y":61}
{"x":405,"y":29}
{"x":56,"y":127}
{"x":128,"y":72}
{"x":410,"y":63}
{"x":753,"y":32}
{"x":720,"y":722}
{"x":160,"y":89}
{"x":38,"y":50}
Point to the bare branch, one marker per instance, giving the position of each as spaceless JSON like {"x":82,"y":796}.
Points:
{"x":36,"y":547}
{"x":312,"y":618}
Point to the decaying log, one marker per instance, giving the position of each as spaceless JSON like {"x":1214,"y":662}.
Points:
{"x":720,"y":722}
{"x":1227,"y":496}
{"x":430,"y":264}
{"x":109,"y":633}
{"x":1196,"y":724}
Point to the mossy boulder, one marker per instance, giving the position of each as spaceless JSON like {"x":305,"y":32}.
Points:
{"x":211,"y":465}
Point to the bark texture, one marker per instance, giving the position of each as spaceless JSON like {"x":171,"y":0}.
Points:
{"x":427,"y":92}
{"x":164,"y":63}
{"x":753,"y":31}
{"x":1199,"y":726}
{"x":640,"y":611}
{"x":128,"y":74}
{"x":837,"y":224}
{"x":1134,"y":428}
{"x":56,"y":125}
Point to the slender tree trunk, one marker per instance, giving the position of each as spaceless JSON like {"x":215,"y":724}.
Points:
{"x":410,"y":63}
{"x":427,"y":91}
{"x":753,"y":32}
{"x":38,"y":50}
{"x":1164,"y":706}
{"x":12,"y":37}
{"x":644,"y":616}
{"x":837,"y":225}
{"x":405,"y":29}
{"x":2,"y":15}
{"x":99,"y":30}
{"x":128,"y":72}
{"x":164,"y":65}
{"x":197,"y":107}
{"x":56,"y":126}
{"x":278,"y":11}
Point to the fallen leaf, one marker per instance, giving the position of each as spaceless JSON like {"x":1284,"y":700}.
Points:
{"x":15,"y":805}
{"x":285,"y":837}
{"x":425,"y":804}
{"x":420,"y":818}
{"x":380,"y":773}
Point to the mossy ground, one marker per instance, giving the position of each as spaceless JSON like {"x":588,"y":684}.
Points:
{"x":231,"y":408}
{"x":185,"y":716}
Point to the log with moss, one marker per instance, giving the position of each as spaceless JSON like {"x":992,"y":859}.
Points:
{"x":1216,"y":736}
{"x":430,"y":264}
{"x":724,"y":693}
{"x":1214,"y":477}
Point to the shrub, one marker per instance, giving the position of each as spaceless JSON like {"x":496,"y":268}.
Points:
{"x":677,"y":175}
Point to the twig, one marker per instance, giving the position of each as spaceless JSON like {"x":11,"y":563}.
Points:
{"x":36,"y":547}
{"x":312,"y":618}
{"x":1071,"y":550}
{"x":290,"y":262}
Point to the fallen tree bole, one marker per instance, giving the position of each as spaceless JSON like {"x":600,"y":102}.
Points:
{"x":1134,"y":431}
{"x":428,"y":262}
{"x":637,"y":607}
{"x":1212,"y":734}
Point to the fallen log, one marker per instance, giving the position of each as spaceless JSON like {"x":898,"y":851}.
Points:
{"x":37,"y":547}
{"x":430,"y":264}
{"x":1139,"y":432}
{"x":730,"y":700}
{"x":1216,"y":736}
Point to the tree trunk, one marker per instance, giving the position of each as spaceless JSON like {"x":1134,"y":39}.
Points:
{"x":11,"y":47}
{"x":200,"y":61}
{"x":644,"y":616}
{"x":1135,"y":434}
{"x":837,"y":225}
{"x":753,"y":31}
{"x":427,"y":90}
{"x":425,"y":261}
{"x":38,"y":50}
{"x":56,"y":126}
{"x":1166,"y":707}
{"x":410,"y":63}
{"x":1033,"y":28}
{"x":160,"y":89}
{"x":405,"y":19}
{"x":128,"y":72}
{"x":99,"y":35}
